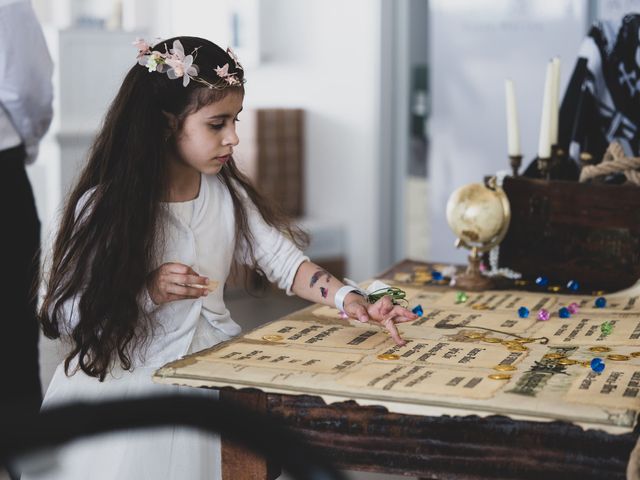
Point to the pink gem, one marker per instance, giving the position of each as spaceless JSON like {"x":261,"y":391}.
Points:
{"x":543,"y":315}
{"x":573,"y":308}
{"x":343,"y":315}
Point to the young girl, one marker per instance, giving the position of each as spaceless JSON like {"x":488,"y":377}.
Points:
{"x":147,"y":240}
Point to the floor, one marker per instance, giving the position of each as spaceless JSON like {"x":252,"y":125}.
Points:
{"x":250,"y":312}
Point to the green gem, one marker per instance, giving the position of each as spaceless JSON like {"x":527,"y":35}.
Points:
{"x":606,"y":328}
{"x":461,"y":297}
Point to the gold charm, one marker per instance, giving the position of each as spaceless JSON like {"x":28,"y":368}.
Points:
{"x":617,"y":358}
{"x":273,"y":338}
{"x":388,"y":356}
{"x":492,"y":340}
{"x":567,"y":361}
{"x":504,"y":368}
{"x":518,"y":348}
{"x":554,"y":356}
{"x":599,"y":349}
{"x":474,"y":335}
{"x":499,"y":376}
{"x":481,"y":306}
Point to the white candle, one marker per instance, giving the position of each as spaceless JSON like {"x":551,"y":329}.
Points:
{"x":544,"y":142}
{"x":513,"y":134}
{"x":555,"y":101}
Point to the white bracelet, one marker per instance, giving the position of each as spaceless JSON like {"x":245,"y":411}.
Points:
{"x":342,"y":293}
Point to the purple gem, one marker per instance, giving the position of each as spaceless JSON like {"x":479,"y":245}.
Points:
{"x":601,"y":302}
{"x":523,"y":312}
{"x":542,"y":281}
{"x":543,"y":315}
{"x":573,"y":308}
{"x":564,"y":312}
{"x":597,"y":365}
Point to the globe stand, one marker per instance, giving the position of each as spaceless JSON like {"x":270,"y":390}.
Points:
{"x":471,"y":202}
{"x":473,"y":279}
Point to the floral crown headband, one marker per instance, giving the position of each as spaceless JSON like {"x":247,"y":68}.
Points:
{"x":178,"y":65}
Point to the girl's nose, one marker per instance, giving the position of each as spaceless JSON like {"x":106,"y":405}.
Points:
{"x":232,"y":138}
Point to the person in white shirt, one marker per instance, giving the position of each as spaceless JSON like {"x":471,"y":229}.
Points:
{"x":148,"y":237}
{"x":26,"y":95}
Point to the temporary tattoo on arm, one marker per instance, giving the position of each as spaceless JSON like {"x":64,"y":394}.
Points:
{"x":324,"y":292}
{"x":317,"y":276}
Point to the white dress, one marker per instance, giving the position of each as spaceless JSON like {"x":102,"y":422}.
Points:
{"x":199,"y":233}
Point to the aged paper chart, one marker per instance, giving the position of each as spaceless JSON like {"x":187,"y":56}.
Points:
{"x":476,"y":356}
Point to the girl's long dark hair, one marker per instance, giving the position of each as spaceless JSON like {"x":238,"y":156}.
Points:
{"x":104,"y":251}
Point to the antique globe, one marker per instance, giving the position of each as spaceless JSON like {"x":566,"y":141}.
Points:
{"x":479,"y":216}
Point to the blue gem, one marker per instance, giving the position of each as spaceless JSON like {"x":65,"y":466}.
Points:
{"x":542,"y":281}
{"x":601,"y":302}
{"x":597,"y":365}
{"x":564,"y":312}
{"x":436,"y":275}
{"x":418,"y":310}
{"x":573,"y":286}
{"x":523,"y":312}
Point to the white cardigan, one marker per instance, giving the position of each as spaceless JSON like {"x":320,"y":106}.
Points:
{"x":201,"y":234}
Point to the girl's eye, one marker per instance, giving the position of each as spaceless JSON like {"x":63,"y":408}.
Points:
{"x":217,"y":126}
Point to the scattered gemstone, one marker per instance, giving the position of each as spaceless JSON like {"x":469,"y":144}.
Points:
{"x":543,"y":315}
{"x":564,"y":312}
{"x":606,"y":328}
{"x":542,"y":281}
{"x":573,"y":308}
{"x":597,"y":365}
{"x":601,"y":302}
{"x":436,"y":275}
{"x":461,"y":297}
{"x":554,"y":288}
{"x":573,"y":286}
{"x":523,"y":312}
{"x":418,"y":310}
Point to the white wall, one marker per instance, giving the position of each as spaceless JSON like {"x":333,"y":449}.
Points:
{"x":322,"y":55}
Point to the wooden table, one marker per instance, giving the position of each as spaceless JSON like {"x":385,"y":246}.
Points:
{"x":444,"y":447}
{"x":470,"y":447}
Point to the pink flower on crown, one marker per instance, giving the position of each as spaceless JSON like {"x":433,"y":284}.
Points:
{"x":180,"y":65}
{"x":233,"y":55}
{"x":223,"y":71}
{"x":142,"y":46}
{"x":232,"y":80}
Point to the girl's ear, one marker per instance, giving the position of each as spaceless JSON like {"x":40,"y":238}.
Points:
{"x":172,"y":124}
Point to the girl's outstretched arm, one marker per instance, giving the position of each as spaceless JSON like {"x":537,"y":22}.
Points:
{"x":315,"y":284}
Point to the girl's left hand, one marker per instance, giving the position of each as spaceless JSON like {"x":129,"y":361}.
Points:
{"x":383,"y":312}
